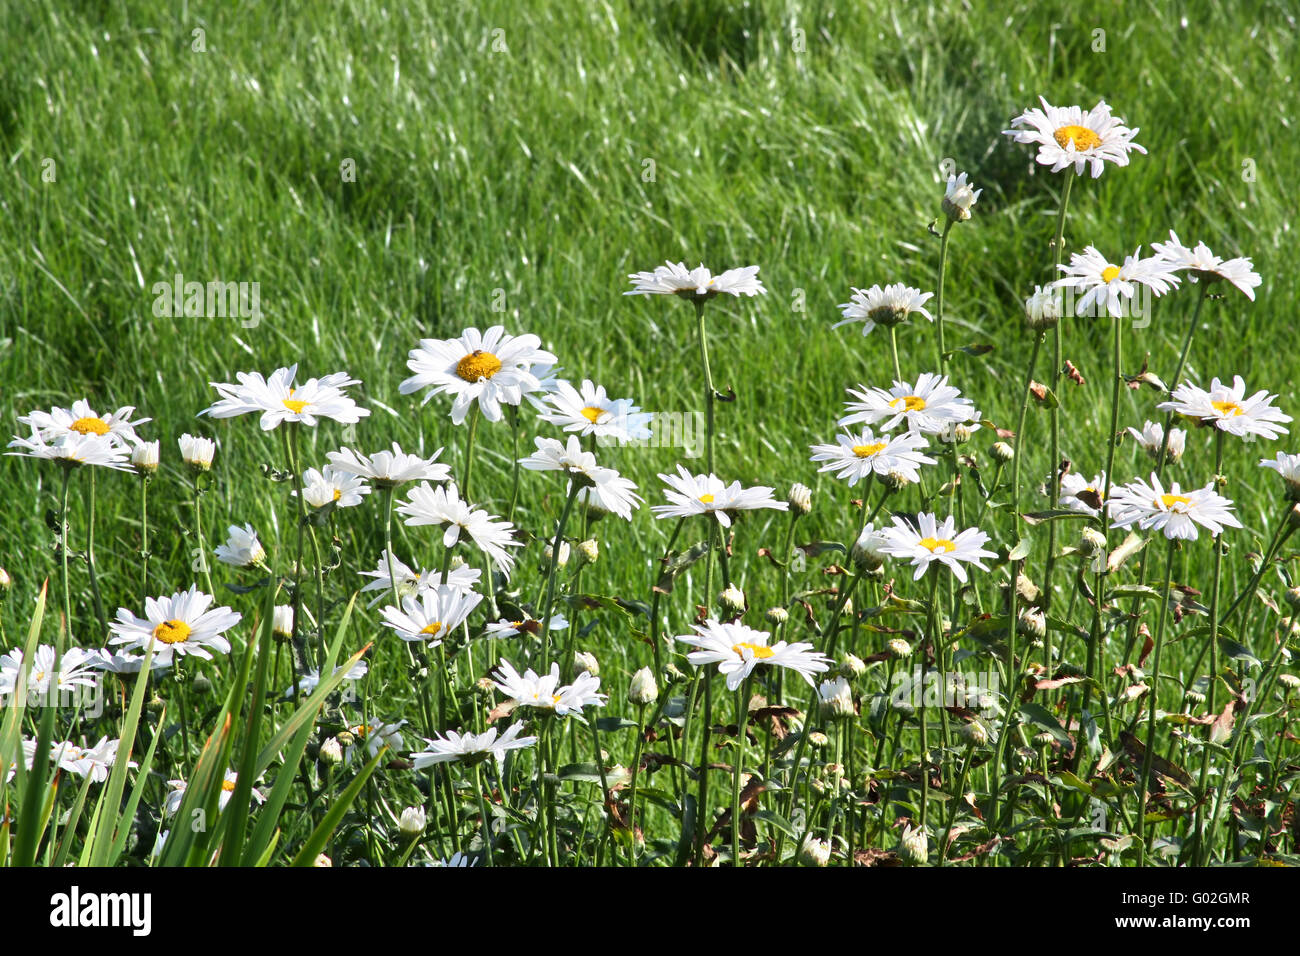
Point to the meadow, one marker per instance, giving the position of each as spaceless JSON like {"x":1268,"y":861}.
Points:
{"x":376,"y":177}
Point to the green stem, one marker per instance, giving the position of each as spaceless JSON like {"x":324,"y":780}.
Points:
{"x":742,"y":718}
{"x":709,"y":392}
{"x":469,"y":450}
{"x":938,"y":305}
{"x":549,"y":604}
{"x":1058,"y":250}
{"x":1020,"y":428}
{"x":144,"y":539}
{"x":893,"y":350}
{"x":1145,"y":781}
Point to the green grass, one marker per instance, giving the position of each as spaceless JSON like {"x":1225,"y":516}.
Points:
{"x":518,"y":178}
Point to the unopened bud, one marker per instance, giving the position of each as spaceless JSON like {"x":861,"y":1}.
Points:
{"x":916,"y":845}
{"x":815,"y":852}
{"x":1043,"y":309}
{"x":412,"y":822}
{"x":282,"y":621}
{"x":144,"y":458}
{"x":584,"y":662}
{"x":642,"y":690}
{"x":589,"y":551}
{"x":1026,"y":589}
{"x":1044,"y":740}
{"x":974,"y":734}
{"x":564,"y":555}
{"x":852,"y":666}
{"x":331,"y":751}
{"x":732,"y":601}
{"x":903,"y":708}
{"x":867,"y":553}
{"x":895,"y":480}
{"x":1194,"y":697}
{"x":836,"y":698}
{"x":898,"y":648}
{"x":201,"y":685}
{"x":1293,"y":598}
{"x":1002,"y":452}
{"x":955,"y":433}
{"x":818,"y":739}
{"x":1032,"y":623}
{"x":673,"y":674}
{"x":776,"y":615}
{"x":800,"y":499}
{"x":347,"y":738}
{"x":1091,"y":542}
{"x":1290,"y":681}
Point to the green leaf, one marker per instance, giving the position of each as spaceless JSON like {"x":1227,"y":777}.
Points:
{"x":320,"y":836}
{"x":1021,"y":550}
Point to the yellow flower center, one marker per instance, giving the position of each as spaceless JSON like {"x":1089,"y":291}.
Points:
{"x":938,"y":544}
{"x":909,"y":403}
{"x":477,"y":365}
{"x":1082,"y":137}
{"x":1108,"y":273}
{"x":592,"y":414}
{"x":1169,"y":501}
{"x":758,"y":650}
{"x":1230,"y":409}
{"x":866,"y":451}
{"x":90,"y":426}
{"x":706,"y":499}
{"x":293,"y":404}
{"x":172,"y":632}
{"x":338,"y":493}
{"x":228,"y":786}
{"x":432,"y":629}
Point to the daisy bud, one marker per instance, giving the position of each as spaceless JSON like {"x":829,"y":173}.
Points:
{"x":955,"y":433}
{"x":1043,"y":309}
{"x":958,"y":198}
{"x":485,"y":687}
{"x":800,"y":499}
{"x":847,"y":610}
{"x":1290,"y":681}
{"x":155,"y":705}
{"x":331,"y":752}
{"x":732,"y":601}
{"x":1091,"y":542}
{"x":588,"y":552}
{"x":1043,"y":741}
{"x":836,"y":698}
{"x":948,"y":489}
{"x":347,"y":738}
{"x":903,"y":708}
{"x":818,"y":739}
{"x":916,"y":845}
{"x":643,"y":690}
{"x":412,"y":822}
{"x":1002,"y":452}
{"x":1194,"y":697}
{"x":1027,"y":589}
{"x":1293,"y":598}
{"x":282,"y":621}
{"x":457,"y":562}
{"x":1032,"y":623}
{"x":197,"y":452}
{"x":564,"y":555}
{"x":867,"y":553}
{"x":894,"y":480}
{"x":585,"y":662}
{"x":5,"y":581}
{"x":1293,"y":516}
{"x":974,"y":734}
{"x":852,"y":666}
{"x":815,"y":852}
{"x":898,"y":648}
{"x":1070,"y":669}
{"x":673,"y":674}
{"x":322,"y":860}
{"x":776,"y":615}
{"x":201,"y":685}
{"x":144,"y":458}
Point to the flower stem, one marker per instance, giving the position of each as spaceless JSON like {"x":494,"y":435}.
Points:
{"x":709,"y":393}
{"x":63,"y":551}
{"x":1210,"y":698}
{"x":1144,"y":782}
{"x":938,"y":305}
{"x":1058,"y":250}
{"x":742,"y":718}
{"x":1020,"y":428}
{"x":549,"y":604}
{"x":936,"y":640}
{"x":144,"y":539}
{"x":893,"y":350}
{"x":198,"y":532}
{"x":90,"y":563}
{"x":469,"y":450}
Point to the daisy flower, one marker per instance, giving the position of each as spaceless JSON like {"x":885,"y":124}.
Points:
{"x":614,"y":492}
{"x":77,"y":668}
{"x":543,"y":692}
{"x":1175,"y":512}
{"x":457,"y":859}
{"x":242,"y":549}
{"x":431,"y":616}
{"x":332,"y":486}
{"x":886,"y":306}
{"x":144,"y":458}
{"x":1228,"y":408}
{"x":197,"y":452}
{"x":698,"y":283}
{"x":737,"y":649}
{"x":93,"y":762}
{"x":279,"y":400}
{"x":529,"y":625}
{"x":309,"y":681}
{"x":926,"y":407}
{"x":1108,"y":286}
{"x":388,"y":469}
{"x":958,"y":197}
{"x":589,"y":411}
{"x":411,"y":583}
{"x":1078,"y":493}
{"x":548,"y":381}
{"x":490,"y":368}
{"x":443,"y":506}
{"x":81,"y":420}
{"x":377,"y":733}
{"x":176,"y":794}
{"x":1205,"y":265}
{"x":1067,"y":135}
{"x":929,"y":541}
{"x":184,"y":623}
{"x":1152,"y":436}
{"x":1287,"y":467}
{"x":858,"y":455}
{"x":707,"y":494}
{"x":471,"y":748}
{"x":73,"y":449}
